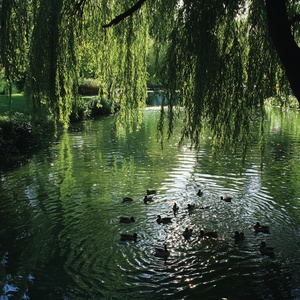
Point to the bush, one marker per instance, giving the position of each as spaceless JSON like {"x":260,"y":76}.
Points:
{"x":100,"y":107}
{"x":18,"y":136}
{"x":88,"y":87}
{"x":4,"y":87}
{"x":91,"y":108}
{"x":78,"y":111}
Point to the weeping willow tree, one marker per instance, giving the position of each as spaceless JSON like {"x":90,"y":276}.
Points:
{"x":52,"y":73}
{"x":117,"y":57}
{"x":221,"y":59}
{"x":14,"y":36}
{"x":218,"y":68}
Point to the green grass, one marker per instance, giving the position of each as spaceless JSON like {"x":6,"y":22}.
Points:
{"x":18,"y":104}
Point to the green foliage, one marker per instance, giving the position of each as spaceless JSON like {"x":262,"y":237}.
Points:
{"x":283,"y":102}
{"x":212,"y":63}
{"x":88,"y":87}
{"x":2,"y":82}
{"x":52,"y":76}
{"x":116,"y":57}
{"x":18,"y":136}
{"x":92,"y":107}
{"x":14,"y":36}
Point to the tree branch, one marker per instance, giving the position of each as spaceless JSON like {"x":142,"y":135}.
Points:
{"x":284,"y":42}
{"x":124,"y":15}
{"x":78,"y":7}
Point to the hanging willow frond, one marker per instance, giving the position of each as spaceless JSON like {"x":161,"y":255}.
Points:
{"x":220,"y":69}
{"x":53,"y":75}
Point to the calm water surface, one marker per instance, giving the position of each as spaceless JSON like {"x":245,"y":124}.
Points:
{"x":60,"y":230}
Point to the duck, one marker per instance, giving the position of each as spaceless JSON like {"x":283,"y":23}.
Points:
{"x":187,"y":233}
{"x":226,"y":199}
{"x":162,"y":252}
{"x":127,"y":220}
{"x":190,"y":206}
{"x":239,"y":236}
{"x":175,"y":208}
{"x":128,"y":237}
{"x":264,"y":250}
{"x":165,"y":220}
{"x":127,"y":199}
{"x":151,"y":192}
{"x":261,"y":228}
{"x":148,"y":198}
{"x":210,"y":234}
{"x":200,"y":193}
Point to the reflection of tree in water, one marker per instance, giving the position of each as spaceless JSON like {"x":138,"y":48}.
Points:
{"x":65,"y":165}
{"x":281,"y":154}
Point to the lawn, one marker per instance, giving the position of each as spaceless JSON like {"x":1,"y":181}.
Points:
{"x":18,"y":104}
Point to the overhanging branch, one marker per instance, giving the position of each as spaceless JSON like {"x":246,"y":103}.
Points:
{"x":124,"y":15}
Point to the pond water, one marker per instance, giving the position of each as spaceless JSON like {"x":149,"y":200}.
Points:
{"x":60,"y":229}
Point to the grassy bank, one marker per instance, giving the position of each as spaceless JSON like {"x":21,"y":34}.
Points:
{"x":18,"y":105}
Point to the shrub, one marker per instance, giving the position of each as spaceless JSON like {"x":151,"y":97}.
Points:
{"x":18,"y":136}
{"x":88,"y":87}
{"x":4,"y":87}
{"x":91,"y":108}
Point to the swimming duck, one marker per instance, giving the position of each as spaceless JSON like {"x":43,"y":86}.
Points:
{"x":260,"y":228}
{"x":200,"y":193}
{"x":210,"y":234}
{"x":128,"y":237}
{"x":226,"y":199}
{"x":264,"y":250}
{"x":238,"y":236}
{"x":190,"y":207}
{"x":165,"y":220}
{"x":162,"y":252}
{"x":127,"y":199}
{"x":175,"y":208}
{"x":148,"y":198}
{"x":151,"y":192}
{"x":187,"y":233}
{"x":127,"y":220}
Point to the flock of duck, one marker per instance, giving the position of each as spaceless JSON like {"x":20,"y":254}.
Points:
{"x":187,"y":233}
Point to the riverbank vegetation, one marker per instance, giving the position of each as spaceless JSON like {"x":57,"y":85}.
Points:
{"x":19,"y":136}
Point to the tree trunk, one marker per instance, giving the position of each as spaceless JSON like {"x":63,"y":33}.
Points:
{"x":285,"y":45}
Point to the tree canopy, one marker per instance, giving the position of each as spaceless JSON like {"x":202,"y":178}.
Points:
{"x":216,"y":60}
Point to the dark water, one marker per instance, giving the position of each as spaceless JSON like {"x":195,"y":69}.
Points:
{"x":60,"y":230}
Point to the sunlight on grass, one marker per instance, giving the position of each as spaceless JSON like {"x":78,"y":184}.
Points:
{"x":18,"y":104}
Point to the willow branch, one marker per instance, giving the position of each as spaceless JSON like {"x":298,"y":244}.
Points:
{"x":124,"y":15}
{"x":78,"y":7}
